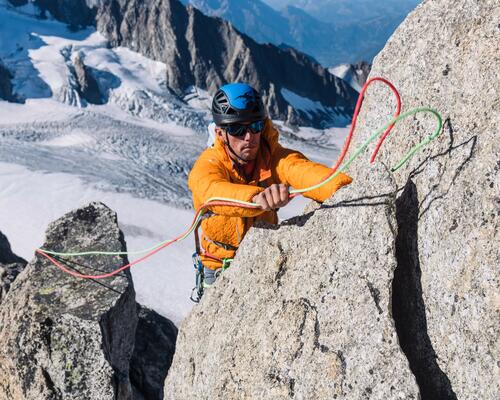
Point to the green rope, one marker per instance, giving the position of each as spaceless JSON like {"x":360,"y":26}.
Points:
{"x":374,"y":136}
{"x":119,"y":253}
{"x":341,"y":169}
{"x":226,"y":263}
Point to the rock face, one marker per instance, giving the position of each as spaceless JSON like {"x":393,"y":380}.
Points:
{"x":67,"y":338}
{"x":304,"y":311}
{"x":10,"y":266}
{"x":448,"y":241}
{"x":5,"y":84}
{"x":64,"y":337}
{"x":390,"y":289}
{"x":88,"y":86}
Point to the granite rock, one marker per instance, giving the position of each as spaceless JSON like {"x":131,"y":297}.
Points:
{"x":10,"y":266}
{"x":63,"y":337}
{"x":305,"y":310}
{"x":446,"y":55}
{"x":391,"y":288}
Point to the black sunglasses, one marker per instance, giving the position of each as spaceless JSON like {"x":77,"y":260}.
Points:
{"x":239,"y":130}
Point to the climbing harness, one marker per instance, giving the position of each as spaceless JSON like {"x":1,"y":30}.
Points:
{"x":197,"y":291}
{"x":221,"y":201}
{"x":200,"y":284}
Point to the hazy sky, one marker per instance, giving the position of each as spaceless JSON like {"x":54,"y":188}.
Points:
{"x":327,"y":10}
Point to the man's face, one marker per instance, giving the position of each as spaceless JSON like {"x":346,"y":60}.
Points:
{"x":246,"y":147}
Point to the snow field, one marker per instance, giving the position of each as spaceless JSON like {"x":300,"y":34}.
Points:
{"x":162,"y":282}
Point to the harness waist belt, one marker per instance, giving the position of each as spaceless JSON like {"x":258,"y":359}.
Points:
{"x":225,"y":246}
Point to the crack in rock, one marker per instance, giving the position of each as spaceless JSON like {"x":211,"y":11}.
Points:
{"x":408,"y":306}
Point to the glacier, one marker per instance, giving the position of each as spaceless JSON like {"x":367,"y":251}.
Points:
{"x":59,"y":152}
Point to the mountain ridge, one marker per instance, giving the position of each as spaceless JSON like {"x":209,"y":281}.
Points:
{"x":341,"y":38}
{"x":205,"y":52}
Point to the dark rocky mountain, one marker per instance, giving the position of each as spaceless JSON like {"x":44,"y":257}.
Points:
{"x":5,"y":84}
{"x":88,"y":88}
{"x":331,"y":31}
{"x":207,"y":52}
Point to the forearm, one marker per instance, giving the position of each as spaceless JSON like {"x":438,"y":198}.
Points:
{"x":300,"y":173}
{"x":227,"y":190}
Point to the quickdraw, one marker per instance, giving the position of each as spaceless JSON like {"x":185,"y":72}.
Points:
{"x":198,"y":290}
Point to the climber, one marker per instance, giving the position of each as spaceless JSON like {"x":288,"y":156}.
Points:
{"x":247,"y":163}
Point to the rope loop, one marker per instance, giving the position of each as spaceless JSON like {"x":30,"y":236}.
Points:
{"x":222,"y":201}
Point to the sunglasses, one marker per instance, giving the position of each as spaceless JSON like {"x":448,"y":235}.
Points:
{"x":240,"y":130}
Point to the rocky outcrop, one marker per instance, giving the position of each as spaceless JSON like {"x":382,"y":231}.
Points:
{"x":446,"y":285}
{"x":389,"y":289}
{"x":5,"y":84}
{"x":10,"y":266}
{"x":87,"y":84}
{"x":66,"y":337}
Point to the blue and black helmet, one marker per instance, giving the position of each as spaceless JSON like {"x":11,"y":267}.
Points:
{"x":237,"y":102}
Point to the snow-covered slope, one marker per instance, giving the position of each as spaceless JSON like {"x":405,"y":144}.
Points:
{"x":354,"y":74}
{"x":134,"y":152}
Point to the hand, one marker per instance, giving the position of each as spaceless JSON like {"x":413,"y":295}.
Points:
{"x":275,"y":196}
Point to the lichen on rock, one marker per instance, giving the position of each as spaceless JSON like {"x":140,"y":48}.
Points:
{"x":64,"y":337}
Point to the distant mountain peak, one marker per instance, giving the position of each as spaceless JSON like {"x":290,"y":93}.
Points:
{"x":332,"y":31}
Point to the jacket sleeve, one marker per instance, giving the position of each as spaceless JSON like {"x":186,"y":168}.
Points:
{"x":208,"y":178}
{"x":299,"y":172}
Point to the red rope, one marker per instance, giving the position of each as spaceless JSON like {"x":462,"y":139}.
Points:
{"x":347,"y":142}
{"x":228,"y":203}
{"x":355,"y":119}
{"x":117,"y":271}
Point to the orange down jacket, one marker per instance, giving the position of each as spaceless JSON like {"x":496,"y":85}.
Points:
{"x":214,"y":174}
